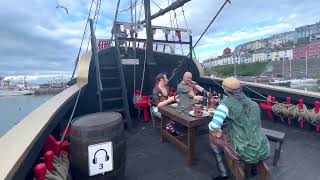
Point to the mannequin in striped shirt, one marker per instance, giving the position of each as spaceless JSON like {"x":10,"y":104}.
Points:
{"x":244,"y":139}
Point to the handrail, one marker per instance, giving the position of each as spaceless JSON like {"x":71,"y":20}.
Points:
{"x":274,"y":88}
{"x":18,"y":141}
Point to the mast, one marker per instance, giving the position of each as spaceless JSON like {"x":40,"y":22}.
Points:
{"x":173,"y":6}
{"x":134,"y":27}
{"x":283,"y":68}
{"x":290,"y":68}
{"x":307,"y":63}
{"x":149,"y":33}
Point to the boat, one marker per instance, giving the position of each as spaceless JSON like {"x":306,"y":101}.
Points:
{"x":278,"y":82}
{"x":21,"y":88}
{"x":302,"y":81}
{"x":15,"y":92}
{"x":109,"y":78}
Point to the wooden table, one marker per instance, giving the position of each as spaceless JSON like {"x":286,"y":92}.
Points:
{"x":169,"y":113}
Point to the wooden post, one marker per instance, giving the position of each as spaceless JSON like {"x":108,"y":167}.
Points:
{"x":190,"y":46}
{"x":48,"y":158}
{"x":269,"y":112}
{"x":302,"y":121}
{"x":317,"y":107}
{"x":149,"y":33}
{"x":288,"y":105}
{"x":96,"y":61}
{"x":40,"y":171}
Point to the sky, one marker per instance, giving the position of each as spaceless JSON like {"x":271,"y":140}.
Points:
{"x":37,"y":37}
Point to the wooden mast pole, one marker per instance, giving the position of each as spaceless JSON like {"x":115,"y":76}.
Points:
{"x":149,"y":33}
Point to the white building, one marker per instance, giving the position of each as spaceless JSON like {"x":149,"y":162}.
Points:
{"x":282,"y":55}
{"x":246,"y":58}
{"x":259,"y":44}
{"x":276,"y":41}
{"x":259,"y":57}
{"x":314,"y":37}
{"x":208,"y":63}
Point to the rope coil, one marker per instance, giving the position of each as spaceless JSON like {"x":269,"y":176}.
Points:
{"x":294,"y":111}
{"x":314,"y":117}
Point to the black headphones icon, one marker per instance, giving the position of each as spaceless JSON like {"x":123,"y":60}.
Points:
{"x":94,"y":160}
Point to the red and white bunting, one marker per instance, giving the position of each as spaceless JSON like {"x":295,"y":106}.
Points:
{"x":166,"y":33}
{"x":131,"y":33}
{"x":166,"y":36}
{"x":178,"y":34}
{"x":103,"y":43}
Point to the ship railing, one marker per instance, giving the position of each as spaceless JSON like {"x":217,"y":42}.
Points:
{"x":21,"y":145}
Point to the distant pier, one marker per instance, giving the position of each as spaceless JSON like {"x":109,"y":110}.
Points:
{"x":48,"y":91}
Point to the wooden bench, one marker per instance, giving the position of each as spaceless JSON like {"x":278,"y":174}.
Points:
{"x":277,"y":137}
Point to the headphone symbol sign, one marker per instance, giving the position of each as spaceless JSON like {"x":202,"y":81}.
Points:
{"x":94,"y":160}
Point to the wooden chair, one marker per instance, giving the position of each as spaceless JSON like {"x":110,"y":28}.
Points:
{"x":153,"y":117}
{"x":241,"y":169}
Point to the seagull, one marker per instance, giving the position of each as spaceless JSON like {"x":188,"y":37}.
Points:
{"x":59,"y":6}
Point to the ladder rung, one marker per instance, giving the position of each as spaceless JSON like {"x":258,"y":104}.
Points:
{"x":111,"y":89}
{"x":109,"y":78}
{"x":108,"y":67}
{"x":113,"y":99}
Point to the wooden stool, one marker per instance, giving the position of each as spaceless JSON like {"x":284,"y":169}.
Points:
{"x":238,"y":169}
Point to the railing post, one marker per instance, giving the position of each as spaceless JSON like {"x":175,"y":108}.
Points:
{"x":302,"y":121}
{"x":40,"y":171}
{"x":288,"y":105}
{"x":270,"y":103}
{"x":317,"y":108}
{"x":48,"y":158}
{"x":96,"y":61}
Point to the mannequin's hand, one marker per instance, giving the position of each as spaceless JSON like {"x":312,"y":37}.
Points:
{"x":216,"y":134}
{"x":198,"y":98}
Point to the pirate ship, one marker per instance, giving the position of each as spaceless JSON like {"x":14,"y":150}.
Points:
{"x":108,"y":79}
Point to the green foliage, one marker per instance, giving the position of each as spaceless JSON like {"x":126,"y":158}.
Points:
{"x":252,"y":69}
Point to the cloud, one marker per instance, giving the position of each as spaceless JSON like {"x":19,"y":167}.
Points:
{"x":38,"y":36}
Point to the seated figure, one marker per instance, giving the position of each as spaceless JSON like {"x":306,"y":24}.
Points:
{"x":161,"y":97}
{"x":244,"y":140}
{"x":187,"y":91}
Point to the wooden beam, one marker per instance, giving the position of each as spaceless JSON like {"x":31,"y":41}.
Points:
{"x":156,"y":41}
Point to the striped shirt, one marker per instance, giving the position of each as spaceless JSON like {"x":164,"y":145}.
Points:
{"x":219,"y":116}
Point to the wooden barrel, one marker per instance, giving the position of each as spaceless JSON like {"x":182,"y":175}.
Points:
{"x":93,"y":129}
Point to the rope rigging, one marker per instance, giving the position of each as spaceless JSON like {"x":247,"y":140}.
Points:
{"x":131,"y":6}
{"x":140,"y":10}
{"x":175,"y":17}
{"x":173,"y":37}
{"x":95,"y":19}
{"x":134,"y":42}
{"x":83,"y":36}
{"x":156,"y":4}
{"x":214,"y":18}
{"x":184,"y":17}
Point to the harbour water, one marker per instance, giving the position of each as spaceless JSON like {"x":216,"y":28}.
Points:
{"x":15,"y":108}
